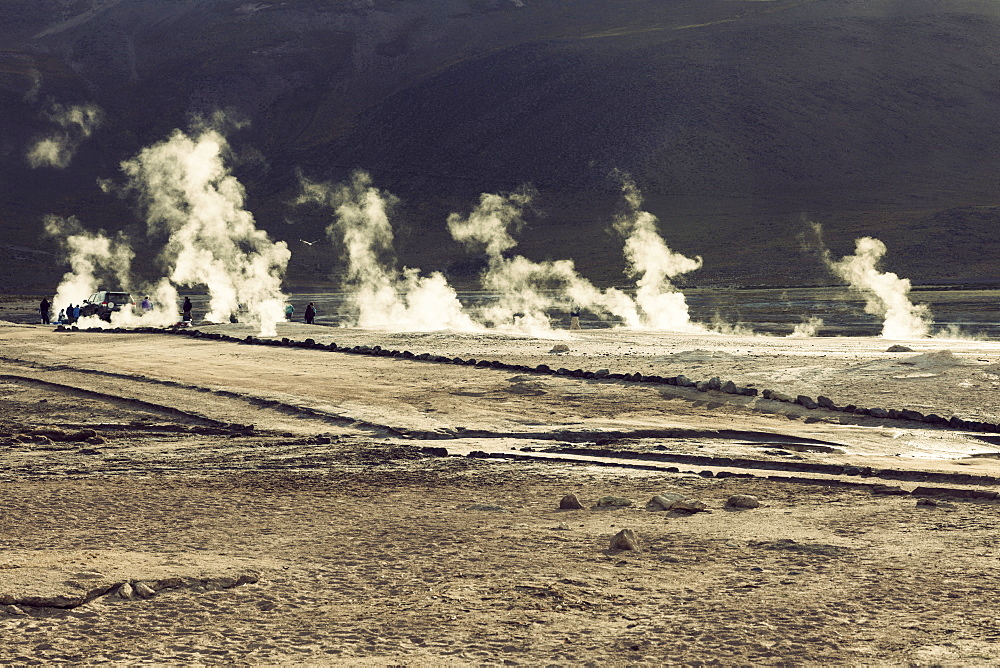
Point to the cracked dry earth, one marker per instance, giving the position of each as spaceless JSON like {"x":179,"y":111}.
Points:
{"x":325,"y":537}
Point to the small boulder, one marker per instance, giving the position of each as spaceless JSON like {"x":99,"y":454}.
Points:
{"x":602,"y":373}
{"x":898,"y":349}
{"x":626,"y":539}
{"x":742,"y":501}
{"x":125,"y":592}
{"x":664,"y":501}
{"x":610,"y":502}
{"x":560,"y":348}
{"x":143,"y":590}
{"x":570,"y":502}
{"x":691,"y":506}
{"x":729,"y":387}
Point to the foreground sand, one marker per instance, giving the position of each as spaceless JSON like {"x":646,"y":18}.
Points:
{"x":329,"y":534}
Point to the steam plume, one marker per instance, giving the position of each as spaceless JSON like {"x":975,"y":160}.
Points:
{"x":58,"y":148}
{"x":659,"y":304}
{"x":807,"y":328}
{"x":93,"y":258}
{"x":886,"y":294}
{"x":379,"y":295}
{"x":189,"y":193}
{"x":525,"y":290}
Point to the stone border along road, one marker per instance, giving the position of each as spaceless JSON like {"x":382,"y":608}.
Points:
{"x":716,"y":384}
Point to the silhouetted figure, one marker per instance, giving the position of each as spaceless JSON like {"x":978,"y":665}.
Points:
{"x":310,"y":313}
{"x":43,"y":310}
{"x":147,"y":305}
{"x":187,"y":309}
{"x":574,"y":319}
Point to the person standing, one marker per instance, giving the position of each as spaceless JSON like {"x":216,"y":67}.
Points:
{"x":289,"y":312}
{"x":187,"y":309}
{"x":147,"y":305}
{"x":43,"y":310}
{"x":310,"y":313}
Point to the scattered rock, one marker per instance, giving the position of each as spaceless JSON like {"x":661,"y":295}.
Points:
{"x":12,"y":610}
{"x":570,"y":502}
{"x":143,"y":590}
{"x":898,"y":349}
{"x":602,"y":373}
{"x":125,"y":592}
{"x":781,"y":396}
{"x":742,"y":501}
{"x":729,"y":387}
{"x":626,"y":539}
{"x":926,"y":502}
{"x":562,"y":527}
{"x":560,"y":348}
{"x":691,"y":506}
{"x":664,"y":501}
{"x":613,"y":502}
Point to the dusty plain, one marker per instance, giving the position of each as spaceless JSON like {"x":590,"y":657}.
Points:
{"x":334,"y":532}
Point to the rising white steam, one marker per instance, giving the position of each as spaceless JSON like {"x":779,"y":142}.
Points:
{"x":57,"y":149}
{"x":212,"y":241}
{"x":886,"y":294}
{"x":379,"y":296}
{"x":525,"y":290}
{"x":807,"y":328}
{"x":98,"y":262}
{"x":95,"y":261}
{"x":653,"y":264}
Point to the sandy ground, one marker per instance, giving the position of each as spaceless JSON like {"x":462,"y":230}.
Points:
{"x":329,"y":533}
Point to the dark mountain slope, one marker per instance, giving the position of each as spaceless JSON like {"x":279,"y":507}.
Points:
{"x":736,"y":119}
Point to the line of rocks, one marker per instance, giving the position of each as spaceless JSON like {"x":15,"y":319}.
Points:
{"x":791,"y":466}
{"x":713,"y":384}
{"x":864,"y":471}
{"x":127,"y":590}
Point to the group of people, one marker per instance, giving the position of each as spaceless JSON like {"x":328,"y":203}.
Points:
{"x":310,"y":315}
{"x":67,"y":316}
{"x":71,"y":313}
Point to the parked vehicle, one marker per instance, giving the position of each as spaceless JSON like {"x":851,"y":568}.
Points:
{"x":104,"y":303}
